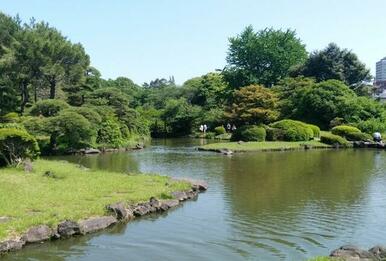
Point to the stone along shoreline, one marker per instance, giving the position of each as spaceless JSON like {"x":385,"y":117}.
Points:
{"x":118,"y":212}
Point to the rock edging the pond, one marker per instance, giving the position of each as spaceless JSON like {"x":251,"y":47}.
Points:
{"x":118,"y":212}
{"x":351,"y":253}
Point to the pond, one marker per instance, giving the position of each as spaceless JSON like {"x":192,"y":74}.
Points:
{"x":259,"y":206}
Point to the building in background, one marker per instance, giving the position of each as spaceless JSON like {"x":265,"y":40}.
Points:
{"x":380,"y":75}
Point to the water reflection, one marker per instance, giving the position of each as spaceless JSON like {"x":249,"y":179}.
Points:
{"x":260,"y":206}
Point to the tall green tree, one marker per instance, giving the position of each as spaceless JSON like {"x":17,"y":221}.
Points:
{"x":262,"y":57}
{"x":336,"y":63}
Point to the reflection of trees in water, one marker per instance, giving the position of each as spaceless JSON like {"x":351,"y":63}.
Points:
{"x":277,"y":182}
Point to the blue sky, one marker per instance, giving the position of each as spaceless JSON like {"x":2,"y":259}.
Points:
{"x":146,"y":39}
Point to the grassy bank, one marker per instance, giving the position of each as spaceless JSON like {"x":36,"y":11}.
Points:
{"x":69,"y":192}
{"x":262,"y":146}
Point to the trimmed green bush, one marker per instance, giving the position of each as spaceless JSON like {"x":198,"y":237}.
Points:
{"x":333,"y":139}
{"x":315,"y":129}
{"x":10,"y":117}
{"x":12,"y":126}
{"x":294,"y":130}
{"x":358,"y":136}
{"x":48,"y":108}
{"x":344,"y":130}
{"x":274,"y":134}
{"x":249,"y":133}
{"x":219,"y":130}
{"x":110,"y":134}
{"x":16,"y":145}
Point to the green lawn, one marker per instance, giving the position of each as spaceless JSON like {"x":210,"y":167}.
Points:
{"x":74,"y":193}
{"x":262,"y":146}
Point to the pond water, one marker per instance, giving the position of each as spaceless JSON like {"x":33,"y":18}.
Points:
{"x":260,"y":206}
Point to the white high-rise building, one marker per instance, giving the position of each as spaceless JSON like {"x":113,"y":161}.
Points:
{"x":380,"y":74}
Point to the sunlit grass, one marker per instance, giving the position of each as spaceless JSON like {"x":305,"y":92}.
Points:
{"x":261,"y":146}
{"x":72,"y":193}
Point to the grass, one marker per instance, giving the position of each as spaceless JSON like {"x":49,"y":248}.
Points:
{"x":262,"y":146}
{"x":71,"y":192}
{"x":324,"y":258}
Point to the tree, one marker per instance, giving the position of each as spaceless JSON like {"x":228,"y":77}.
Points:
{"x":209,"y":90}
{"x":262,"y":57}
{"x":336,"y":63}
{"x":253,"y":104}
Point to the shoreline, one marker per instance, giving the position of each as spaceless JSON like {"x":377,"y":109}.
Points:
{"x":57,"y":200}
{"x":243,"y":147}
{"x":119,"y":212}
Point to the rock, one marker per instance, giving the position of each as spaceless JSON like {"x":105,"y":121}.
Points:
{"x":11,"y":245}
{"x":92,"y":151}
{"x":4,"y":219}
{"x":139,"y":146}
{"x":353,"y":253}
{"x":192,"y":194}
{"x":68,"y":228}
{"x":38,"y":234}
{"x":166,"y":204}
{"x":141,"y":209}
{"x":199,"y":185}
{"x":378,"y":251}
{"x":179,"y":195}
{"x":27,"y":165}
{"x":155,"y":203}
{"x":120,"y":211}
{"x":97,"y":223}
{"x":226,"y":152}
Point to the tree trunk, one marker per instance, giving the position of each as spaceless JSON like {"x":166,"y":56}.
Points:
{"x":52,"y":89}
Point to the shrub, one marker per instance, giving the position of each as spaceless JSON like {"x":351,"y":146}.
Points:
{"x":10,"y":117}
{"x":372,"y":125}
{"x":12,"y":126}
{"x":219,"y":130}
{"x":315,"y":129}
{"x":274,"y":134}
{"x":70,"y":130}
{"x":37,"y":125}
{"x":15,"y":145}
{"x":344,"y":130}
{"x":110,"y":134}
{"x":294,"y":130}
{"x":48,"y":108}
{"x":333,"y":139}
{"x":249,"y":133}
{"x":358,"y":136}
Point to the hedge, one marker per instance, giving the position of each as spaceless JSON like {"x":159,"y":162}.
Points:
{"x":16,"y":145}
{"x":249,"y":133}
{"x":333,"y":139}
{"x":358,"y":136}
{"x":294,"y":130}
{"x":343,"y":130}
{"x":219,"y":130}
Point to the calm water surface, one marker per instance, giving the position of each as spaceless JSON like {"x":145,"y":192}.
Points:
{"x":260,"y":206}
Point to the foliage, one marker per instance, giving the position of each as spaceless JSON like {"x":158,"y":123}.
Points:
{"x":70,"y":130}
{"x":333,"y":139}
{"x":274,"y":134}
{"x":335,"y":63}
{"x":253,"y":104}
{"x":262,"y":57}
{"x":110,"y":133}
{"x":219,"y":130}
{"x":294,"y":130}
{"x":249,"y":133}
{"x":372,"y":125}
{"x":179,"y":116}
{"x":16,"y":145}
{"x":358,"y":136}
{"x":343,"y":130}
{"x":48,"y":108}
{"x":315,"y":129}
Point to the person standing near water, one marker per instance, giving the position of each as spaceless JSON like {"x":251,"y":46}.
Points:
{"x":233,"y":128}
{"x":229,"y":127}
{"x":205,"y":128}
{"x":201,"y":128}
